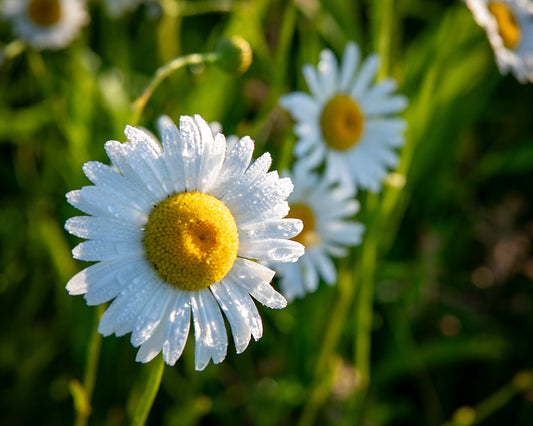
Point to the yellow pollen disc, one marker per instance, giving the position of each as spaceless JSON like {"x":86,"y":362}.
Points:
{"x":191,"y":240}
{"x":308,"y":237}
{"x":507,"y":24}
{"x":342,"y":122}
{"x":44,"y":12}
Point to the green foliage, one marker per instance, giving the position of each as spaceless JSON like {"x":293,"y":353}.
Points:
{"x":451,"y":260}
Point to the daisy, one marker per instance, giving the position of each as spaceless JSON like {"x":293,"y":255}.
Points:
{"x":46,"y":24}
{"x":509,"y":28}
{"x":325,"y":210}
{"x":176,"y":230}
{"x":346,"y":120}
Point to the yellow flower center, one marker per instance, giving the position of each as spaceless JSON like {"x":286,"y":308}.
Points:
{"x":191,"y":240}
{"x":308,"y":237}
{"x":44,"y":12}
{"x":507,"y":24}
{"x":342,"y":122}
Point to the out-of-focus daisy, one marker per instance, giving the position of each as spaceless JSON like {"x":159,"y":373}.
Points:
{"x":347,"y":120}
{"x":176,"y":229}
{"x":46,"y":24}
{"x":325,"y":210}
{"x":117,"y":8}
{"x":509,"y":28}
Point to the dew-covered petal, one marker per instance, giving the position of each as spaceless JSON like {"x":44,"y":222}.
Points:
{"x":209,"y":329}
{"x":170,"y":138}
{"x":123,"y":312}
{"x":149,"y":349}
{"x":191,"y":151}
{"x":152,"y":314}
{"x":96,"y":250}
{"x":177,"y":329}
{"x":236,"y":313}
{"x":255,"y":279}
{"x":271,"y":250}
{"x":272,"y":229}
{"x":102,"y":228}
{"x":108,"y":279}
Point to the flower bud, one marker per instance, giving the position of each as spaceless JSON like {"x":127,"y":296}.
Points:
{"x":234,"y":54}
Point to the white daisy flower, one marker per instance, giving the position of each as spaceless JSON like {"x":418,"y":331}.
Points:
{"x":346,"y":120}
{"x":117,"y":8}
{"x":509,"y":28}
{"x":46,"y":24}
{"x":176,"y":229}
{"x":325,"y":210}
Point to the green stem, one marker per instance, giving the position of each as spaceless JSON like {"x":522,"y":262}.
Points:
{"x":162,"y":73}
{"x":323,"y":378}
{"x":82,"y":393}
{"x":151,"y":387}
{"x":183,"y":8}
{"x":384,"y":36}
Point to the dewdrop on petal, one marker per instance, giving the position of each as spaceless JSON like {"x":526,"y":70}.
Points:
{"x":177,"y":230}
{"x":234,"y":54}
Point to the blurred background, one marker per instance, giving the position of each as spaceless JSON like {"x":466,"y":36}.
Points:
{"x":453,"y":288}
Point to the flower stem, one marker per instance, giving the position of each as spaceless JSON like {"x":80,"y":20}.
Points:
{"x":323,"y":378}
{"x":162,"y":73}
{"x":153,"y":380}
{"x":82,"y":392}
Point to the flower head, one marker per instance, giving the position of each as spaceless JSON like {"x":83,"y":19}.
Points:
{"x":346,"y":120}
{"x":46,"y":24}
{"x":326,"y":209}
{"x":177,"y":229}
{"x":509,"y":28}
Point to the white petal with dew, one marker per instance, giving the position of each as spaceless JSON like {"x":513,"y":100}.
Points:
{"x":152,"y":314}
{"x":177,"y":329}
{"x":233,"y":311}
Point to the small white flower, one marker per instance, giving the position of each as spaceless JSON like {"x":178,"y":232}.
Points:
{"x":176,"y":229}
{"x":116,"y":8}
{"x":325,"y":210}
{"x":347,"y":120}
{"x":509,"y":28}
{"x":46,"y":24}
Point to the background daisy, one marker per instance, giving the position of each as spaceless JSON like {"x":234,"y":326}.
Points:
{"x":173,"y":232}
{"x":509,"y":28}
{"x":46,"y":24}
{"x":346,"y":120}
{"x":325,"y":209}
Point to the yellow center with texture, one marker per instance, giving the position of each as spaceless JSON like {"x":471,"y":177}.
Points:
{"x":342,"y":122}
{"x":308,"y":237}
{"x":44,"y":13}
{"x":507,"y":24}
{"x":191,"y":239}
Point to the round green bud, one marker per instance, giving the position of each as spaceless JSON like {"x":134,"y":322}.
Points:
{"x":234,"y":54}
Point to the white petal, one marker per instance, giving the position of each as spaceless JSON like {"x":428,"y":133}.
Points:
{"x":149,"y":349}
{"x":102,"y":228}
{"x":311,"y":77}
{"x":391,"y":105}
{"x":236,"y":313}
{"x":209,"y":329}
{"x":255,"y":279}
{"x":274,"y":228}
{"x":177,"y":329}
{"x":367,"y":73}
{"x":301,"y":106}
{"x":325,"y":266}
{"x":95,"y":250}
{"x":328,"y":70}
{"x":310,"y":276}
{"x":108,"y":279}
{"x":271,"y":250}
{"x":191,"y":151}
{"x":350,"y":60}
{"x":170,"y":138}
{"x":212,"y":160}
{"x":234,"y":166}
{"x":123,"y":312}
{"x":152,"y":314}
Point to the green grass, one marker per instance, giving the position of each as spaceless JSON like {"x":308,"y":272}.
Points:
{"x":435,"y":308}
